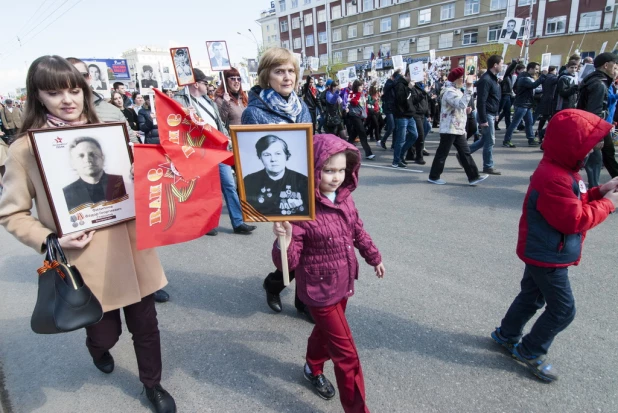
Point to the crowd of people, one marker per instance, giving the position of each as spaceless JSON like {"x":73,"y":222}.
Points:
{"x":575,"y":130}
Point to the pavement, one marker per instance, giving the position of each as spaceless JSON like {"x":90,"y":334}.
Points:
{"x":422,"y":332}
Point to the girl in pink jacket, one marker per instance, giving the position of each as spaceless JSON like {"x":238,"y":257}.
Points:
{"x":322,"y":253}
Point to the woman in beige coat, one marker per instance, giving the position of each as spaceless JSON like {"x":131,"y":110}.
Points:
{"x":118,"y":274}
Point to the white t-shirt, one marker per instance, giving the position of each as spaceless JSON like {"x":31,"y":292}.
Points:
{"x":208,"y":117}
{"x":331,"y":196}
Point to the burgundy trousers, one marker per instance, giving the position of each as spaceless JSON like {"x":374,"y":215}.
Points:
{"x":142,"y":323}
{"x":332,"y":339}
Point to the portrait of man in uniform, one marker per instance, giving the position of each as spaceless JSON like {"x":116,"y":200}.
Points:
{"x":94,"y":184}
{"x":276,"y":189}
{"x":148,"y":78}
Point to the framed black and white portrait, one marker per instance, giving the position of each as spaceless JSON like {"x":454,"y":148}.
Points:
{"x":99,"y":78}
{"x":218,"y":55}
{"x":510,"y":30}
{"x":182,"y":65}
{"x":86,"y":171}
{"x":148,"y":77}
{"x":168,"y":80}
{"x":274,"y":165}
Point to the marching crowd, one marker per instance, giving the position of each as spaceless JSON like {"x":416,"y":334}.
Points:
{"x":575,"y":129}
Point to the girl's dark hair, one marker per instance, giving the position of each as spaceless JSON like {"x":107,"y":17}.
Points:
{"x":307,"y":84}
{"x":111,"y":100}
{"x":53,"y":73}
{"x":134,"y":95}
{"x":356,"y":84}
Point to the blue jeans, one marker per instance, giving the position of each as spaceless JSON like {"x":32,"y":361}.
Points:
{"x":426,"y":127}
{"x":321,"y":120}
{"x":405,"y":136}
{"x":390,"y":126}
{"x":540,"y":286}
{"x":487,"y":141}
{"x":526,"y":115}
{"x":593,"y":166}
{"x":228,"y":187}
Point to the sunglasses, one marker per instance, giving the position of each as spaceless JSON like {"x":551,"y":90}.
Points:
{"x":234,"y":78}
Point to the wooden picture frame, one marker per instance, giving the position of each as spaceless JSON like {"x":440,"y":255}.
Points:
{"x":183,"y":66}
{"x":86,"y":171}
{"x":224,"y":64}
{"x":289,"y":198}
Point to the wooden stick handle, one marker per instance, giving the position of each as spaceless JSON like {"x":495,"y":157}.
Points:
{"x":284,"y":260}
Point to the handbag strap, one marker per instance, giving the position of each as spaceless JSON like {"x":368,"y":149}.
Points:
{"x":54,"y":250}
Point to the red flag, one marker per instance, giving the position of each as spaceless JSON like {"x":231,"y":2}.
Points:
{"x":171,"y":208}
{"x":187,"y":139}
{"x":519,"y":43}
{"x":533,"y":41}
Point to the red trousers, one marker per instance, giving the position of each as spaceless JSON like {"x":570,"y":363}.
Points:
{"x":331,"y":339}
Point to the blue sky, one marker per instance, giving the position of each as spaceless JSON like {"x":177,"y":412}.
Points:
{"x":98,"y":29}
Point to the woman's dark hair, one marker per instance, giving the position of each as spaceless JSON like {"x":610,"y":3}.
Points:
{"x":356,"y":84}
{"x":307,"y":84}
{"x":135,"y":94}
{"x":112,"y":99}
{"x":334,"y":84}
{"x":53,"y":73}
{"x":265,"y":141}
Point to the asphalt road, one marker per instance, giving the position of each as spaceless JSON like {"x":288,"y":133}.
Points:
{"x":422,"y":331}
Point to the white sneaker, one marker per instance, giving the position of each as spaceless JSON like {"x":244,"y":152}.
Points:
{"x":437,"y":181}
{"x":479,"y":179}
{"x":371,"y":157}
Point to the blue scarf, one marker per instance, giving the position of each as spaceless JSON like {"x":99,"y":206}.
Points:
{"x":290,"y":108}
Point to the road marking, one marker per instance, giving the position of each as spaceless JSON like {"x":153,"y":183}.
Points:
{"x":392,"y":169}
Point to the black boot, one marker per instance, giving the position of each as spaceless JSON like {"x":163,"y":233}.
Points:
{"x":105,"y":363}
{"x":161,"y":400}
{"x":273,"y":300}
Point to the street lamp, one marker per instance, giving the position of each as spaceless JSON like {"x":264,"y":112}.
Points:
{"x":254,"y":40}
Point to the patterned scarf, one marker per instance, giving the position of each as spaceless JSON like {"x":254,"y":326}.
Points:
{"x":54,"y":122}
{"x":290,"y":109}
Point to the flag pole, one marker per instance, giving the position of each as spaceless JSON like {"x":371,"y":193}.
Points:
{"x":284,"y":260}
{"x":223,"y":81}
{"x":571,"y":48}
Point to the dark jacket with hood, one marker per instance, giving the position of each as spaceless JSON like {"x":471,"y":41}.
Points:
{"x":404,"y":100}
{"x":322,"y":251}
{"x":420,"y":100}
{"x":546,"y":106}
{"x":488,"y":96}
{"x":593,"y":94}
{"x":388,"y":97}
{"x":506,"y":86}
{"x":567,"y":91}
{"x":259,"y":112}
{"x":524,"y":88}
{"x":557,"y":209}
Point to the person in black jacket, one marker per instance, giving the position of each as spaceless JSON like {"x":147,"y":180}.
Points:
{"x":146,"y":121}
{"x":506,"y":90}
{"x":545,"y":108}
{"x":310,"y":100}
{"x":388,"y":103}
{"x":421,"y":110}
{"x":487,"y":108}
{"x":524,"y":88}
{"x":594,"y":98}
{"x":567,"y":88}
{"x":405,"y":125}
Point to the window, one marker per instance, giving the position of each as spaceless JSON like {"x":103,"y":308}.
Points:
{"x":336,"y":35}
{"x":368,"y":29}
{"x":338,"y":57}
{"x":352,"y":55}
{"x":472,"y":7}
{"x":493,"y":33}
{"x":268,"y":27}
{"x":446,"y":12}
{"x":309,"y":40}
{"x":385,"y":50}
{"x":590,"y":21}
{"x":424,"y":16}
{"x":294,"y":3}
{"x":297,"y":43}
{"x":385,"y":3}
{"x":470,"y":37}
{"x":385,"y":25}
{"x":284,"y":26}
{"x":404,"y":20}
{"x":422,"y":44}
{"x":281,"y":5}
{"x":351,"y":9}
{"x":352,"y":31}
{"x":367,"y":52}
{"x":295,"y":22}
{"x":323,"y":59}
{"x":285,"y":44}
{"x":322,"y":38}
{"x":308,"y":19}
{"x":446,"y":40}
{"x":522,"y":29}
{"x":367,"y":5}
{"x":497,"y":5}
{"x":555,"y":25}
{"x":524,"y":2}
{"x":335,"y":12}
{"x":307,"y":1}
{"x":321,"y":16}
{"x":403,"y":46}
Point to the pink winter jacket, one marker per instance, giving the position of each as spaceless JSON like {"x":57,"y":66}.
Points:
{"x":322,"y":251}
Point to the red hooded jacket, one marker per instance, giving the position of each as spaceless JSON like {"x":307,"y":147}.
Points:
{"x":557,"y":209}
{"x":322,"y":251}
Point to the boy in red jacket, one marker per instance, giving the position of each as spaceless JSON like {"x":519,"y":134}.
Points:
{"x":557,"y":212}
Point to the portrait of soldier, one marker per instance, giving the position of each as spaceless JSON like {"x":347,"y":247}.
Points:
{"x":94,"y":184}
{"x":276,"y":189}
{"x":148,"y":79}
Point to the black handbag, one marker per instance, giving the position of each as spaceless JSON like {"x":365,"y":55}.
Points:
{"x":64,"y":303}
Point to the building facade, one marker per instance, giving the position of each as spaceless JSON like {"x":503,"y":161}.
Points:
{"x":352,"y":32}
{"x":270,"y":28}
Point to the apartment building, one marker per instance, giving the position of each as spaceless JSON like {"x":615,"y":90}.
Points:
{"x":270,"y":28}
{"x":354,"y":31}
